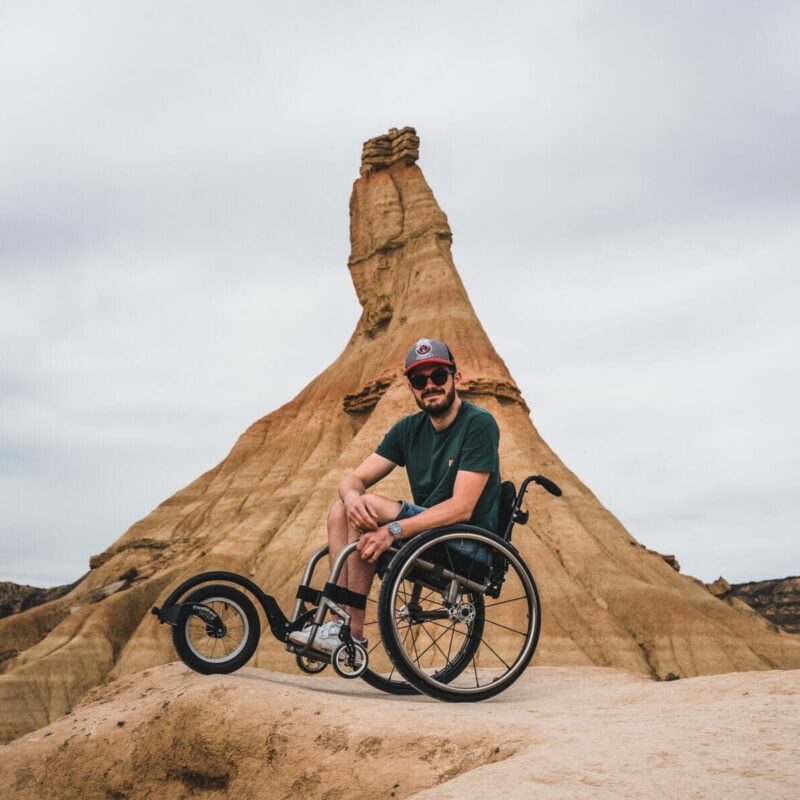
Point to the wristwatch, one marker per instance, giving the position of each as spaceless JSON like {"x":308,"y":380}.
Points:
{"x":395,"y":529}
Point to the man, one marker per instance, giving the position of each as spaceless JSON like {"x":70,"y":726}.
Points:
{"x":449,"y":450}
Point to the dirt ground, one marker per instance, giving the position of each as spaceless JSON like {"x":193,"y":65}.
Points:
{"x":583,"y":732}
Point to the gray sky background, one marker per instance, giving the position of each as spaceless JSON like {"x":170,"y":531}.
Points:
{"x":621,"y":180}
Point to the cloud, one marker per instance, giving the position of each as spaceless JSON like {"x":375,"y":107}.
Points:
{"x":621,"y":182}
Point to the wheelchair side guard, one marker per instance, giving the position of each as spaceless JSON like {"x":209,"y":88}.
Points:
{"x":278,"y":623}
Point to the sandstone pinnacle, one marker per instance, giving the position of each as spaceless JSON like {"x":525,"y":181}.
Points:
{"x":261,"y":511}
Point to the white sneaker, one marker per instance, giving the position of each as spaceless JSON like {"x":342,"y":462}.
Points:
{"x":327,"y":638}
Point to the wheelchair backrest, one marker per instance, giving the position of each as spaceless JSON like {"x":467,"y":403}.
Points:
{"x":508,"y":496}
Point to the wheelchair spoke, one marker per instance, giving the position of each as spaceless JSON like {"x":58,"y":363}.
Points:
{"x":405,"y":594}
{"x":433,"y":642}
{"x":471,"y":565}
{"x":510,"y":600}
{"x":414,"y":644}
{"x":513,"y":630}
{"x":450,"y":646}
{"x":428,"y":596}
{"x":505,"y":663}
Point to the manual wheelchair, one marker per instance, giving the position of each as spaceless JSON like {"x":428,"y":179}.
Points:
{"x":457,"y":614}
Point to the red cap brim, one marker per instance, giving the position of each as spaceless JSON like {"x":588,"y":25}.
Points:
{"x":427,"y":361}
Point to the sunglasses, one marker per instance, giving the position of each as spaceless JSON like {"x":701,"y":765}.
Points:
{"x":438,"y":376}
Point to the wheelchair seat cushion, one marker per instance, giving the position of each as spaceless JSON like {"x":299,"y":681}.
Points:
{"x":472,"y":549}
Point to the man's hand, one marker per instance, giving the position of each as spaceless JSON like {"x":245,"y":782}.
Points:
{"x":361,"y":512}
{"x":371,"y":545}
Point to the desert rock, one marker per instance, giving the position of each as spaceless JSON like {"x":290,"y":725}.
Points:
{"x":776,"y":600}
{"x":261,"y":511}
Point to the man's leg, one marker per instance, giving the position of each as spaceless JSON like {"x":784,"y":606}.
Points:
{"x":338,"y":537}
{"x":360,"y":573}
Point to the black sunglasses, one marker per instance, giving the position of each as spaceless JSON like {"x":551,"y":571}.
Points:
{"x":439,"y":377}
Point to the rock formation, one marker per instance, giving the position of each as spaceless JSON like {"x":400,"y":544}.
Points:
{"x":16,"y":597}
{"x":778,"y":601}
{"x":262,"y":510}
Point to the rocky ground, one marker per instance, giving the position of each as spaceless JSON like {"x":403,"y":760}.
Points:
{"x":586,"y":732}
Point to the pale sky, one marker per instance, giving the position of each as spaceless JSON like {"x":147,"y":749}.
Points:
{"x":623,"y":185}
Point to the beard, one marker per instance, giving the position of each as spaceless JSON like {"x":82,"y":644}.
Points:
{"x":440,"y":408}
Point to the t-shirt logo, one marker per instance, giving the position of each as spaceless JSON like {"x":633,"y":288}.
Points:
{"x":449,"y":462}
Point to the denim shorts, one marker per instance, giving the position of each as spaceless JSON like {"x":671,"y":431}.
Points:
{"x":471,"y":549}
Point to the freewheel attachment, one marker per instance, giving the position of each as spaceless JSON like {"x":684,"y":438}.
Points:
{"x":310,"y":665}
{"x":350,"y":660}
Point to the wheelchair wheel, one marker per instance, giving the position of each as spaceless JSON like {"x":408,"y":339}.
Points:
{"x":200,"y":649}
{"x":382,"y":673}
{"x":472,"y":628}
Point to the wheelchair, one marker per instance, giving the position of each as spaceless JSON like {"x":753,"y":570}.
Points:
{"x":455,"y":614}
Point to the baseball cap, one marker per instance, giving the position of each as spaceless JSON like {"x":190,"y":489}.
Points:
{"x":428,"y":351}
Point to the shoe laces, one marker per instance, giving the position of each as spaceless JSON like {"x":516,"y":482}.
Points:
{"x":330,"y":628}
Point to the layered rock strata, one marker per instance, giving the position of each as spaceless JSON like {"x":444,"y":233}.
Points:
{"x":262,"y":510}
{"x":16,"y":597}
{"x":778,"y":601}
{"x":396,"y":147}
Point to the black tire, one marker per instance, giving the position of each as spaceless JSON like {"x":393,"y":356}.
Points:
{"x":508,"y":571}
{"x":197,"y":649}
{"x":310,"y":665}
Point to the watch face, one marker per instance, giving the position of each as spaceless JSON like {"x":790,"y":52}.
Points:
{"x":395,"y":529}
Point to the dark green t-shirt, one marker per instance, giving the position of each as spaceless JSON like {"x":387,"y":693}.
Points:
{"x":432,"y":458}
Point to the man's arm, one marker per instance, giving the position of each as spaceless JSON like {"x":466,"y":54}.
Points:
{"x":466,"y":492}
{"x":352,"y":490}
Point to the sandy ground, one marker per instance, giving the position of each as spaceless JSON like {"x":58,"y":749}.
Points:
{"x":558,"y":733}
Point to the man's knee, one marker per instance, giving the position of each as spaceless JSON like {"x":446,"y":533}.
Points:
{"x":337,"y":519}
{"x":337,"y":514}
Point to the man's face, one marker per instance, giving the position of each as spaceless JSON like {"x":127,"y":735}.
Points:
{"x":432,"y":399}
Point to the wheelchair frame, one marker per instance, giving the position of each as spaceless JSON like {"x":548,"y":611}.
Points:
{"x":350,"y":659}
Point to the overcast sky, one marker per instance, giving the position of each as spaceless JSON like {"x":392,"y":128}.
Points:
{"x":623,"y":185}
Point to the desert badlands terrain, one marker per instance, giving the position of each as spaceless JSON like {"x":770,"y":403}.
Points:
{"x":559,"y":732}
{"x":92,"y":707}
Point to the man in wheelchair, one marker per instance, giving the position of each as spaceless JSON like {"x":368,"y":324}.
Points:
{"x":450,"y":452}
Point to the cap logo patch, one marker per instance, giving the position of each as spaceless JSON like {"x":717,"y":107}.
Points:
{"x":423,"y":348}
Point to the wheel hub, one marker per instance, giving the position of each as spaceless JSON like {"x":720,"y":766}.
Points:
{"x":461,"y":612}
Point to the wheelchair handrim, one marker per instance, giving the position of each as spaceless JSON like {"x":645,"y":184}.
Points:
{"x":525,"y":653}
{"x":227,"y":656}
